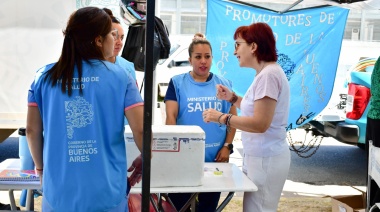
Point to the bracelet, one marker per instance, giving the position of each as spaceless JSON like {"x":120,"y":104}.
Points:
{"x":40,"y":170}
{"x":233,"y":99}
{"x":225,"y":121}
{"x":220,"y":124}
{"x":228,"y":119}
{"x":228,"y":122}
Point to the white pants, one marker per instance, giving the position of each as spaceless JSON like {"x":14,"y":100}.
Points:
{"x":269,"y":174}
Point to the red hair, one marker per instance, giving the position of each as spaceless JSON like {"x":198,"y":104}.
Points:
{"x":262,"y":35}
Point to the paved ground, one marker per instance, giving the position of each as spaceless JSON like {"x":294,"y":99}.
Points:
{"x":299,"y":189}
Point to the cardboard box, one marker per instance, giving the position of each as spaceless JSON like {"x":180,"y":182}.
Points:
{"x":351,"y":203}
{"x":178,"y":154}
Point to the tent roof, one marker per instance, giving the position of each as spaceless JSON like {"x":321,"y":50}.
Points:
{"x":357,"y":4}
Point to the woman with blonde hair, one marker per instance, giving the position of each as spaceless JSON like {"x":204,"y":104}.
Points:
{"x":190,"y":94}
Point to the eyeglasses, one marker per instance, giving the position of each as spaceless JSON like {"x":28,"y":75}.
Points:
{"x":237,"y":44}
{"x":115,"y":34}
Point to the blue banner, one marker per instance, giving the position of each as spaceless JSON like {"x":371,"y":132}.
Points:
{"x":308,"y":46}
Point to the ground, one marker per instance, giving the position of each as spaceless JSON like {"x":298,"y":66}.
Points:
{"x":290,"y":204}
{"x":310,"y":204}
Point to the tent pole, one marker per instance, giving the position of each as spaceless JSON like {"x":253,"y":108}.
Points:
{"x":148,"y":93}
{"x":290,"y":7}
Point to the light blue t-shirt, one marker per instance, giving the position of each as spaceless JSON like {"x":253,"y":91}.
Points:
{"x":84,"y":149}
{"x":128,"y":67}
{"x":193,"y":98}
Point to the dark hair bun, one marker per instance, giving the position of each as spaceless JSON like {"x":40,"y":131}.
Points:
{"x":108,"y":11}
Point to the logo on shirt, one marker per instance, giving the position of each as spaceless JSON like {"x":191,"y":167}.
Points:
{"x":79,"y":113}
{"x":195,"y":104}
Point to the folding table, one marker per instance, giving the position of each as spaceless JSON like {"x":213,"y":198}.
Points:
{"x":229,"y":179}
{"x":14,"y":163}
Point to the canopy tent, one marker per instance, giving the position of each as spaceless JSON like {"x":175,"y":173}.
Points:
{"x":149,"y":82}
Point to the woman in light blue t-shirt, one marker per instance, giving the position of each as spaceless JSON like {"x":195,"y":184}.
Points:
{"x":75,"y":121}
{"x":129,"y":67}
{"x":115,"y":58}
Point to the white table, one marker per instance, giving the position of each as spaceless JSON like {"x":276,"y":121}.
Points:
{"x":232,"y":180}
{"x":18,"y":185}
{"x":9,"y":123}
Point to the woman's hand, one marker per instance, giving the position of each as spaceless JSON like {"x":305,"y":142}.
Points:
{"x":136,"y":167}
{"x":212,"y":115}
{"x":40,"y":173}
{"x":223,"y":93}
{"x":223,"y":155}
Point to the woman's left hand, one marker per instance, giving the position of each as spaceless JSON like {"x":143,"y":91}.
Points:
{"x":223,"y":155}
{"x":211,"y":115}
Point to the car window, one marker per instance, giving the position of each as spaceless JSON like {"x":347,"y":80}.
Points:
{"x":173,"y":48}
{"x":182,"y":63}
{"x":181,"y":59}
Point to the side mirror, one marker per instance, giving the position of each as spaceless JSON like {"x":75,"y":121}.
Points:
{"x":171,"y":64}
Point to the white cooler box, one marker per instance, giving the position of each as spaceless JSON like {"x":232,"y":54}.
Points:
{"x":177,"y":155}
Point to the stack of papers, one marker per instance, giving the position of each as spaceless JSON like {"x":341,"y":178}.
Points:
{"x":18,"y":175}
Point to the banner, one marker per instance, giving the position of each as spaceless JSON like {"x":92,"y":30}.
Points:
{"x":308,"y":45}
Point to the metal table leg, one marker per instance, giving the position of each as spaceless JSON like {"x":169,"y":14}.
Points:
{"x":29,"y":200}
{"x":225,"y":201}
{"x":12,"y":200}
{"x":192,"y":198}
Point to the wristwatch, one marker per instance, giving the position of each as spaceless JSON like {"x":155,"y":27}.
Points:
{"x":229,"y":146}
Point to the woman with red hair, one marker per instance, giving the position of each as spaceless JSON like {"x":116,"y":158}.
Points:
{"x":264,"y":115}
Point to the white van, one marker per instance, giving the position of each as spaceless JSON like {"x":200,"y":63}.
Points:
{"x":177,"y":63}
